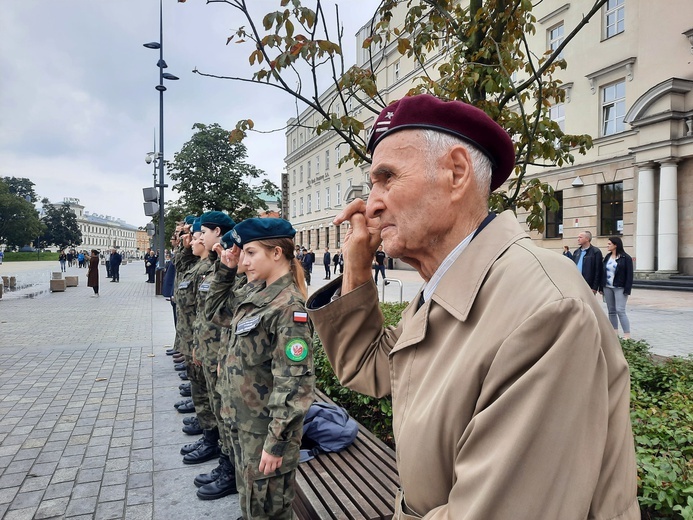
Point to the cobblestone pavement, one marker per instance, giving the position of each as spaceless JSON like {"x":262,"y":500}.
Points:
{"x":87,"y":424}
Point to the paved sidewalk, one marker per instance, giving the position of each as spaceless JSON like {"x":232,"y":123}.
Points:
{"x":88,"y":428}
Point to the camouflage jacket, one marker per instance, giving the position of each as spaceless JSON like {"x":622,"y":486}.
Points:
{"x":185,"y":294}
{"x":226,"y":290}
{"x":207,"y":334}
{"x":183,"y":260}
{"x":268,"y":381}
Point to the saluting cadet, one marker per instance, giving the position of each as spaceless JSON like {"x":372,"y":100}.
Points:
{"x":221,"y":481}
{"x":266,"y":377}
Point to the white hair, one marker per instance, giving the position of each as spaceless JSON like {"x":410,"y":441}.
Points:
{"x":437,"y":143}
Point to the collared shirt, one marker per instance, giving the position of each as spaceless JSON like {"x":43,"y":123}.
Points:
{"x":430,"y":287}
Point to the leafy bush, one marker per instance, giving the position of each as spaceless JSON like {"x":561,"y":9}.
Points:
{"x":662,"y":418}
{"x":374,"y":414}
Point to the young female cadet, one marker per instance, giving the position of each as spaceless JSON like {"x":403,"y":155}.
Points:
{"x":266,"y":377}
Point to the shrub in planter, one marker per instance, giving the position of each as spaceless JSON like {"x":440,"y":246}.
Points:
{"x":662,"y":418}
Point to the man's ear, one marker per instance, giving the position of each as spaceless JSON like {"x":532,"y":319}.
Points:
{"x":460,"y":165}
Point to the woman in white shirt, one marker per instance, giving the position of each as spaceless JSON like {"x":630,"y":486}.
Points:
{"x":618,"y":281}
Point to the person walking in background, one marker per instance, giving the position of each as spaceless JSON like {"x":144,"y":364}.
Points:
{"x":116,"y":260}
{"x":327,"y":260}
{"x":150,"y":261}
{"x":379,"y":264}
{"x":62,"y":258}
{"x":2,"y":255}
{"x":566,"y":252}
{"x":107,"y":260}
{"x":589,"y":261}
{"x":93,"y":273}
{"x":307,"y":264}
{"x":80,"y":260}
{"x":335,"y":261}
{"x":618,"y":281}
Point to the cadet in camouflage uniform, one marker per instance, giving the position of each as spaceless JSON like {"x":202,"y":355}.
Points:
{"x":266,"y":378}
{"x":221,"y":481}
{"x":186,"y":298}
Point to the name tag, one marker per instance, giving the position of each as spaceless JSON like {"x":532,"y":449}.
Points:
{"x":184,"y":285}
{"x":247,"y":325}
{"x":204,"y":287}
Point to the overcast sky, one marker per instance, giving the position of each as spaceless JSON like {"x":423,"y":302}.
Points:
{"x":78,"y":108}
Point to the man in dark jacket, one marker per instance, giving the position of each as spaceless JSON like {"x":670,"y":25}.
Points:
{"x":589,"y":261}
{"x":307,"y":262}
{"x":327,"y":260}
{"x":116,"y":260}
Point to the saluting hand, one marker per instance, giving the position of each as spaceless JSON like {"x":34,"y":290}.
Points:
{"x":359,"y":245}
{"x":228,"y":257}
{"x":187,"y":240}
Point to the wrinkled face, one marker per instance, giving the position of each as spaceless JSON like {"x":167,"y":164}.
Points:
{"x":259,"y":262}
{"x":582,"y":240}
{"x":197,"y":244}
{"x":411,"y":205}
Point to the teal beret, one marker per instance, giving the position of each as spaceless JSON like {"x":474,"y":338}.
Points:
{"x":190,"y":219}
{"x":261,"y":229}
{"x":214,"y":219}
{"x":196,"y":226}
{"x":227,"y":240}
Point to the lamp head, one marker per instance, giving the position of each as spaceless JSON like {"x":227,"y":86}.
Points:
{"x":152,"y":45}
{"x":149,"y":158}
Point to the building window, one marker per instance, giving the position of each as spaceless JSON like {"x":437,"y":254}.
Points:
{"x":613,"y":108}
{"x":309,"y":170}
{"x":300,"y":139}
{"x":309,"y":204}
{"x":611,"y":209}
{"x":339,"y":153}
{"x":614,"y":17}
{"x":317,"y":201}
{"x":327,"y":159}
{"x":339,"y":194}
{"x":317,"y":165}
{"x":327,"y":198}
{"x":293,"y":208}
{"x":300,"y":206}
{"x":555,"y":36}
{"x":557,"y":114}
{"x":395,"y":76}
{"x":293,"y":144}
{"x":300,"y":174}
{"x":294,"y":177}
{"x":554,"y":219}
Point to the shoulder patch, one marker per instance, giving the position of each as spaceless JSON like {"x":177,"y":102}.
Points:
{"x":300,"y":317}
{"x":296,"y":349}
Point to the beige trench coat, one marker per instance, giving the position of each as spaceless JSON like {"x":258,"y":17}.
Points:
{"x":510,"y":389}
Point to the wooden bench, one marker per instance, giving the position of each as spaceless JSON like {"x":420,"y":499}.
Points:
{"x":358,"y":483}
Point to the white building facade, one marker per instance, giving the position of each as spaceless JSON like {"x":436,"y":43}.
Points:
{"x":629,"y":84}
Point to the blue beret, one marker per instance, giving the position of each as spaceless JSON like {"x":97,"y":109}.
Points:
{"x":469,"y":123}
{"x":261,"y":229}
{"x":227,"y":240}
{"x":213,"y":219}
{"x":196,"y":226}
{"x":190,"y":219}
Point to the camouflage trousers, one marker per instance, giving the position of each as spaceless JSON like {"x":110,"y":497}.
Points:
{"x":263,"y":497}
{"x":200,"y":395}
{"x":210,"y":374}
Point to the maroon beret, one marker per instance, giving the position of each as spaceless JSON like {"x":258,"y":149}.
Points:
{"x":451,"y":117}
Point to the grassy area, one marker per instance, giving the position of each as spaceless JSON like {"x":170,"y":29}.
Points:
{"x":30,"y":257}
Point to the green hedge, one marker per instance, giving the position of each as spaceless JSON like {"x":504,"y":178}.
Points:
{"x":29,"y":257}
{"x":661,"y":412}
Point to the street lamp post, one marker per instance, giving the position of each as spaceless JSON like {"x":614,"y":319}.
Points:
{"x":161,"y":88}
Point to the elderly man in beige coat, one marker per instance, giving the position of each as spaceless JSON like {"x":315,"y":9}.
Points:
{"x":510,"y":390}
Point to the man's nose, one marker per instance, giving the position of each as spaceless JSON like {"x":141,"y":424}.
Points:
{"x":375,"y":204}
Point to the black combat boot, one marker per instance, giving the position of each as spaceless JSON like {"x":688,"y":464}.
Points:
{"x":223,"y":486}
{"x":208,"y":451}
{"x":208,"y":478}
{"x":193,"y":428}
{"x":188,"y":448}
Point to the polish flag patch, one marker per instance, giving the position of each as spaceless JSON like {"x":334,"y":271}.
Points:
{"x":300,"y":317}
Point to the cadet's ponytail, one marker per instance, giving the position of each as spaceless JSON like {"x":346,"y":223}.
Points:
{"x":287,"y":247}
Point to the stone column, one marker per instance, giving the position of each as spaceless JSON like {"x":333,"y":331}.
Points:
{"x":645,"y":223}
{"x":668,"y":232}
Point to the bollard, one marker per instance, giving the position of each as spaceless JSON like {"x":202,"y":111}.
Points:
{"x":6,"y":281}
{"x":71,"y":281}
{"x":13,"y":282}
{"x":58,"y":285}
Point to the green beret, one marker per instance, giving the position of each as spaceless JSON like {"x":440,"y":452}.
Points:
{"x":261,"y":229}
{"x":190,"y":219}
{"x":196,"y":226}
{"x":214,"y":219}
{"x":227,"y":240}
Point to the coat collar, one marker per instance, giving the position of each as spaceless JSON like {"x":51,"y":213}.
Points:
{"x":459,"y":287}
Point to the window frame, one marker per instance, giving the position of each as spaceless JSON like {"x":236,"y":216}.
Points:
{"x":610,"y":208}
{"x":612,"y":105}
{"x":553,"y":220}
{"x":554,"y":42}
{"x":619,"y":8}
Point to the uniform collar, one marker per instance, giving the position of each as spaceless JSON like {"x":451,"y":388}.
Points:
{"x":265,"y":294}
